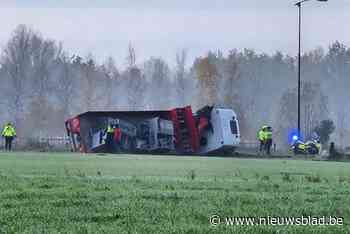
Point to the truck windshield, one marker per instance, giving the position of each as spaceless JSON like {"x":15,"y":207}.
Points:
{"x":233,"y":124}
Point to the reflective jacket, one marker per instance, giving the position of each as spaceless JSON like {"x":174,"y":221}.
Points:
{"x":8,"y":131}
{"x":110,"y":129}
{"x":268,"y":135}
{"x":261,"y":135}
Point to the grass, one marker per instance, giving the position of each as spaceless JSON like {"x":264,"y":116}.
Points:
{"x":72,"y":193}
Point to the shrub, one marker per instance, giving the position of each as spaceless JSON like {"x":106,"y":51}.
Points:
{"x":324,"y":130}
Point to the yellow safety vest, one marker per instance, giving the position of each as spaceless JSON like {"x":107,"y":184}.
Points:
{"x":268,"y":135}
{"x":261,"y":135}
{"x":9,"y":131}
{"x":110,"y":129}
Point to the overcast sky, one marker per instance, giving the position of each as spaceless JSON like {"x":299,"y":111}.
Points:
{"x":163,"y":27}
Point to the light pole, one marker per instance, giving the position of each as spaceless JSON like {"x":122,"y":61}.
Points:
{"x":298,"y":4}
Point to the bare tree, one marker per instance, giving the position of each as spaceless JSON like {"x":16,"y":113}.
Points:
{"x":111,"y":77}
{"x":65,"y":84}
{"x":16,"y":63}
{"x":131,"y":57}
{"x":341,"y":125}
{"x":314,"y":108}
{"x":207,"y":76}
{"x":134,"y":81}
{"x":180,"y":76}
{"x":44,"y":59}
{"x":136,"y":85}
{"x":158,"y":72}
{"x":44,"y":56}
{"x":89,"y":81}
{"x":230,"y":96}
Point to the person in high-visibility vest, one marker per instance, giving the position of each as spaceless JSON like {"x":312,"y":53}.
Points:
{"x":109,"y":138}
{"x":9,"y":133}
{"x":268,"y":139}
{"x":261,"y":138}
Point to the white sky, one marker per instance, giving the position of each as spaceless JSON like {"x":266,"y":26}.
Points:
{"x":163,"y":27}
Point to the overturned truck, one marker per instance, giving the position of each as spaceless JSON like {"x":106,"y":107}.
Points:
{"x":178,"y":131}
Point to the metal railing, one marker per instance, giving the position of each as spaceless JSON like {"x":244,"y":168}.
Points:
{"x":249,"y":144}
{"x":55,"y":140}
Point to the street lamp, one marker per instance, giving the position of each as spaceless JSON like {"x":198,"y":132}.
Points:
{"x":298,"y":4}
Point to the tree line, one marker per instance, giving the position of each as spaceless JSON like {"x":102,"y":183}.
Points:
{"x":42,"y":84}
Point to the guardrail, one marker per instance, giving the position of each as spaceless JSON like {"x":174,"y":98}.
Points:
{"x":249,"y":144}
{"x":55,"y":140}
{"x":39,"y":143}
{"x":254,"y":145}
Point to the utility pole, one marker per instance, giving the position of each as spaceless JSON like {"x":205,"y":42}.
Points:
{"x":299,"y":4}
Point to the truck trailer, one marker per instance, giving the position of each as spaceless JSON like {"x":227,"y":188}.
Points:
{"x":210,"y":130}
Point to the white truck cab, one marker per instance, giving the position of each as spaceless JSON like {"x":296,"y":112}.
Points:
{"x":223,"y":134}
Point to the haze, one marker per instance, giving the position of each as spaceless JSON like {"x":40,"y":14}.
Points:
{"x":161,"y":28}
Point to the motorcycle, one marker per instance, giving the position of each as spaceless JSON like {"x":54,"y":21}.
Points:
{"x":310,"y":147}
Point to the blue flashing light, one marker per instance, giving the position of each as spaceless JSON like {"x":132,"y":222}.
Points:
{"x":293,"y":135}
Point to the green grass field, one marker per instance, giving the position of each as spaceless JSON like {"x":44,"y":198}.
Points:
{"x":72,"y":193}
